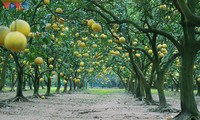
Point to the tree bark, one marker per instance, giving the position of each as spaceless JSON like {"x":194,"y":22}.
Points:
{"x":65,"y":88}
{"x":48,"y":91}
{"x":189,"y":50}
{"x":3,"y":73}
{"x":19,"y":82}
{"x":198,"y":88}
{"x":58,"y":85}
{"x":188,"y":103}
{"x":160,"y":89}
{"x":36,"y":82}
{"x":70,"y":85}
{"x":12,"y":83}
{"x":30,"y":83}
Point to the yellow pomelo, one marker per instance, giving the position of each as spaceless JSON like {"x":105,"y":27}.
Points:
{"x":47,"y":1}
{"x":59,"y":10}
{"x":26,"y":50}
{"x":51,"y":66}
{"x":38,"y":60}
{"x":53,"y":72}
{"x":61,"y":20}
{"x":65,"y":81}
{"x":3,"y":32}
{"x":90,"y":22}
{"x":96,"y":27}
{"x":20,"y":26}
{"x":62,"y":74}
{"x":15,"y":41}
{"x":41,"y":79}
{"x":42,"y":97}
{"x":163,"y":7}
{"x":122,"y":40}
{"x":81,"y":63}
{"x":86,"y":55}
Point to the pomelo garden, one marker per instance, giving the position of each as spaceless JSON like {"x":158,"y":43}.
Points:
{"x":145,"y":48}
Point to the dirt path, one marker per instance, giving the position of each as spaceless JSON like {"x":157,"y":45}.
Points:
{"x":80,"y":106}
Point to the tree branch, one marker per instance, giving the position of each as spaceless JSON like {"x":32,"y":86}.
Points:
{"x":151,"y":30}
{"x":189,"y":16}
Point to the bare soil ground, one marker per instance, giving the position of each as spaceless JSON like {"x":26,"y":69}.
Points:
{"x":80,"y":106}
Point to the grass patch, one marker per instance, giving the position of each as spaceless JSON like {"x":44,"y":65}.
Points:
{"x":6,"y":89}
{"x":28,"y":91}
{"x":99,"y":91}
{"x":167,"y":92}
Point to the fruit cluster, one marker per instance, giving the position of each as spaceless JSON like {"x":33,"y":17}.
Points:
{"x":14,"y":37}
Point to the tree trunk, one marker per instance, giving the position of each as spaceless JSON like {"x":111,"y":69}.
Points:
{"x":74,"y":85}
{"x":142,"y":90}
{"x":198,"y":88}
{"x":36,"y":83}
{"x":65,"y":88}
{"x":189,"y":109}
{"x":48,"y":91}
{"x":139,"y":91}
{"x":132,"y":87}
{"x":24,"y":84}
{"x":58,"y":85}
{"x":82,"y":84}
{"x":3,"y":74}
{"x":30,"y":83}
{"x":129,"y":86}
{"x":19,"y":95}
{"x":70,"y":85}
{"x":12,"y":83}
{"x":149,"y":98}
{"x":19,"y":82}
{"x":160,"y":89}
